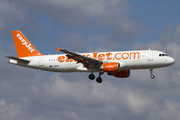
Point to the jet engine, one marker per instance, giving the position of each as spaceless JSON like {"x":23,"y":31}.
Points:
{"x":111,"y":67}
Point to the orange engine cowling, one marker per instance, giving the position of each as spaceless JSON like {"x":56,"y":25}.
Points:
{"x":111,"y":67}
{"x":121,"y":74}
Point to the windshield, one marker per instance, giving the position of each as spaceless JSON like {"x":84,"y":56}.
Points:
{"x":163,"y":55}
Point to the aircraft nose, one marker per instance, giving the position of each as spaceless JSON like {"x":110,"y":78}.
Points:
{"x":171,"y":61}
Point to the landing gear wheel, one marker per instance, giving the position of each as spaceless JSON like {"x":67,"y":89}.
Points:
{"x":151,"y":71}
{"x":99,"y":80}
{"x":152,"y":76}
{"x":91,"y":76}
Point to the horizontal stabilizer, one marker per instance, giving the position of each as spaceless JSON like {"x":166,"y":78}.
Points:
{"x":18,"y":59}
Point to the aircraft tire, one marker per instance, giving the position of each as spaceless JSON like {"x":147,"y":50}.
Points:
{"x":152,"y":76}
{"x":91,"y":76}
{"x":99,"y":80}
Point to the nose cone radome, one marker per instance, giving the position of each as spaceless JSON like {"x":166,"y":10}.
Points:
{"x":171,"y":61}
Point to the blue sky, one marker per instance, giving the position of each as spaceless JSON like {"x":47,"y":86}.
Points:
{"x":88,"y":26}
{"x":154,"y":16}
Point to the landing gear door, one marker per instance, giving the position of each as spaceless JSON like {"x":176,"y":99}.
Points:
{"x":41,"y":61}
{"x":150,"y":57}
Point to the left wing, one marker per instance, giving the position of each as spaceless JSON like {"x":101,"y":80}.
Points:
{"x":86,"y":61}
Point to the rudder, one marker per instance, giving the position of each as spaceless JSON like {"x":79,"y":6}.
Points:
{"x":23,"y":46}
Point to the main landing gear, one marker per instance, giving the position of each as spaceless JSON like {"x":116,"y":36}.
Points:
{"x":98,"y":80}
{"x":151,"y":71}
{"x":91,"y":76}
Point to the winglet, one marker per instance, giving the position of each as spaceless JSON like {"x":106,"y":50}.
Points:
{"x":58,"y":49}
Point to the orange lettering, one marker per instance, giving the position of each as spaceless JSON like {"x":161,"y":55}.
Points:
{"x":95,"y":55}
{"x":108,"y":56}
{"x":117,"y":57}
{"x":61,"y":58}
{"x":101,"y":56}
{"x":88,"y":55}
{"x":134,"y":53}
{"x":125,"y":57}
{"x":69,"y":60}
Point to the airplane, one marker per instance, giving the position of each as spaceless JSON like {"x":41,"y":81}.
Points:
{"x":114,"y":63}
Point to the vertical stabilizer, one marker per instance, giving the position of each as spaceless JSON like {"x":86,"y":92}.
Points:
{"x":23,"y":46}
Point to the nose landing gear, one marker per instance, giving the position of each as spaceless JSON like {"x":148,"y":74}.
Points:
{"x":151,"y":71}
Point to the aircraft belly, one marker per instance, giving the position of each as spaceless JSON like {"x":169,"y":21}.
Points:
{"x":61,"y":67}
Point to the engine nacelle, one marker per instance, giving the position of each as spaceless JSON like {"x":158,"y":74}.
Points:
{"x":111,"y":67}
{"x":120,"y":74}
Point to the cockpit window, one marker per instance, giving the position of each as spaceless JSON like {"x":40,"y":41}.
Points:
{"x":163,"y":55}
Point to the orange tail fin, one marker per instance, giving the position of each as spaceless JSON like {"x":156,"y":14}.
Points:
{"x":23,"y":46}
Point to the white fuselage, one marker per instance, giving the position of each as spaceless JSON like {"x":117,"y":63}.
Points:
{"x":140,"y":59}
